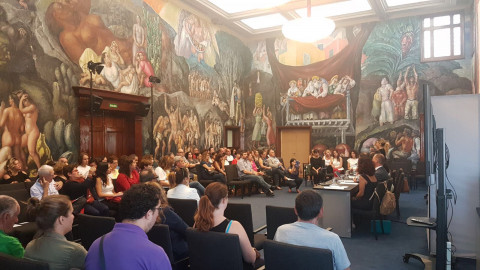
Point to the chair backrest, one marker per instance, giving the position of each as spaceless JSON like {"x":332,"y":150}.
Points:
{"x":277,"y":216}
{"x":398,"y":183}
{"x":185,"y":208}
{"x":283,"y":256}
{"x":214,"y":250}
{"x":160,"y":235}
{"x":15,"y":186}
{"x":403,"y":163}
{"x":10,"y":262}
{"x":92,"y":227}
{"x":242,"y":212}
{"x":232,"y":172}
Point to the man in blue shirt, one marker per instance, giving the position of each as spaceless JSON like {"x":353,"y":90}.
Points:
{"x":246,"y":172}
{"x":127,"y":246}
{"x":306,"y":232}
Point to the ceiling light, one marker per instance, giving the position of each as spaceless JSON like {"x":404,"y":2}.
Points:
{"x":308,"y":29}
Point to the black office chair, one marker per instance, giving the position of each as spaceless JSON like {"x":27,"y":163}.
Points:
{"x":92,"y":227}
{"x":234,"y":180}
{"x":160,"y":235}
{"x":10,"y":262}
{"x":214,"y":251}
{"x":276,"y":217}
{"x":398,"y":189}
{"x":185,"y":208}
{"x":242,"y":212}
{"x":283,"y":256}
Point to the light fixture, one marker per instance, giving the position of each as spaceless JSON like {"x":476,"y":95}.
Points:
{"x":308,"y":29}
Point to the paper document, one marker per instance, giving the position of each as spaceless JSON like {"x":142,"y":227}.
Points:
{"x":334,"y":187}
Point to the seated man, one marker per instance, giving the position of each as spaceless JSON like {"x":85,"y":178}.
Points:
{"x":380,"y":172}
{"x":127,"y":245}
{"x":306,"y":232}
{"x":180,"y":163}
{"x":9,"y":211}
{"x":246,"y":172}
{"x":181,"y":189}
{"x":44,"y":185}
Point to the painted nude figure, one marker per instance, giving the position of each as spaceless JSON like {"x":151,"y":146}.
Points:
{"x":411,"y":107}
{"x":29,"y":139}
{"x":174,"y":117}
{"x":399,"y":98}
{"x":13,"y":124}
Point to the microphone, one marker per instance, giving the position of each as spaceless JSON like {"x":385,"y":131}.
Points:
{"x":154,"y":79}
{"x":95,"y":67}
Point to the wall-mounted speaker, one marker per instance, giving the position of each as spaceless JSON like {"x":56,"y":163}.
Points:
{"x":96,"y":103}
{"x":143,"y":109}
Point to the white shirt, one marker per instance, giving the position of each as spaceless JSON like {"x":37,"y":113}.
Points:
{"x":183,"y":192}
{"x":162,"y":175}
{"x":37,"y":190}
{"x":83,"y":171}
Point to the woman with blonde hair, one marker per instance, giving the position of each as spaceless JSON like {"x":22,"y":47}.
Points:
{"x":14,"y":173}
{"x":54,"y":217}
{"x":210,"y":217}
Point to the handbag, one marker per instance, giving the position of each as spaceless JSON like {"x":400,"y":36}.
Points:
{"x":388,"y":203}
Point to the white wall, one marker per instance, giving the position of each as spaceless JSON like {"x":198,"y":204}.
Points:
{"x":460,"y":117}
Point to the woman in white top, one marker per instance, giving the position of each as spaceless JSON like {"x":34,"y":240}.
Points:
{"x":83,"y":168}
{"x":162,"y":171}
{"x":104,"y":187}
{"x":352,"y":161}
{"x":328,"y":158}
{"x":182,"y":189}
{"x":337,"y":163}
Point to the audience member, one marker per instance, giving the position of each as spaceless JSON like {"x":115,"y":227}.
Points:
{"x":352,"y":162}
{"x":337,"y":163}
{"x":128,"y":175}
{"x":62,"y":161}
{"x":127,"y":246}
{"x":380,"y":172}
{"x":175,"y":223}
{"x":181,"y":190}
{"x":317,"y":163}
{"x":179,"y":163}
{"x":54,"y":217}
{"x":135,"y":159}
{"x":306,"y":232}
{"x":228,"y":154}
{"x":207,"y":171}
{"x":219,"y":164}
{"x":277,"y":172}
{"x":162,"y":171}
{"x":113,"y":164}
{"x":245,"y":171}
{"x":83,"y":167}
{"x":147,"y":173}
{"x":293,"y":173}
{"x":9,"y":211}
{"x":104,"y":187}
{"x":366,"y":184}
{"x":13,"y":172}
{"x":327,"y":158}
{"x":210,"y":217}
{"x":44,"y":185}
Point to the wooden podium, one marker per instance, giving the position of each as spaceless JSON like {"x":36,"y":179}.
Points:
{"x":117,"y":122}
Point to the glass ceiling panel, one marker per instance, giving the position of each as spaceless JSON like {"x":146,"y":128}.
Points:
{"x":394,"y":3}
{"x":265,"y":21}
{"x":335,"y":9}
{"x":235,"y":6}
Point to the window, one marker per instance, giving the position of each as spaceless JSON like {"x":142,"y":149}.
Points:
{"x":442,"y":37}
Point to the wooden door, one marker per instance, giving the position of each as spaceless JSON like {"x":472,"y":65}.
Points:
{"x":294,"y":143}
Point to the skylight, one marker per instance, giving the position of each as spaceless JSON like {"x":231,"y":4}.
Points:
{"x":235,"y":6}
{"x":335,"y":9}
{"x":394,"y":3}
{"x":265,"y":21}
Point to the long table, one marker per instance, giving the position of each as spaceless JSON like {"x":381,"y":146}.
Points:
{"x":336,"y":207}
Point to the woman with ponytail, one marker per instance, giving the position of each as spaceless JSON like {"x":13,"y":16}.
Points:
{"x":210,"y":217}
{"x":54,"y":218}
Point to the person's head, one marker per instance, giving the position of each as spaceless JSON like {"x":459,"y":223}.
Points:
{"x":63,"y":161}
{"x":181,"y":152}
{"x":353,"y":154}
{"x":93,"y":162}
{"x":127,"y":165}
{"x":71,"y":172}
{"x":83,"y":159}
{"x":205,"y":156}
{"x":46,"y":172}
{"x":271,"y":153}
{"x":216,"y":197}
{"x":9,"y":211}
{"x":189,"y":155}
{"x":140,"y":205}
{"x":102,"y":171}
{"x":263,"y":153}
{"x":146,"y":163}
{"x":365,"y":166}
{"x":58,"y":169}
{"x":316,"y":152}
{"x":135,"y":158}
{"x":163,"y":200}
{"x":228,"y":152}
{"x":328,"y":153}
{"x":112,"y":162}
{"x":244,"y":155}
{"x":181,"y":176}
{"x":308,"y":205}
{"x":292,"y":162}
{"x":335,"y":154}
{"x":250,"y":156}
{"x":219,"y":157}
{"x":378,"y":160}
{"x":211,"y":150}
{"x":13,"y":165}
{"x":53,"y":213}
{"x":179,"y":162}
{"x":196,"y":151}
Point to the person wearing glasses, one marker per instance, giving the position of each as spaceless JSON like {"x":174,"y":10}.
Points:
{"x":127,"y":245}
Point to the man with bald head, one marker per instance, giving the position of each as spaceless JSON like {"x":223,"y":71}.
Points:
{"x":9,"y":211}
{"x":44,"y":185}
{"x":380,"y":172}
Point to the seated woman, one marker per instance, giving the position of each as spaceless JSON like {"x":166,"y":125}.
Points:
{"x":128,"y":174}
{"x":175,"y":223}
{"x":207,"y":171}
{"x":337,"y":163}
{"x":13,"y":172}
{"x":83,"y":167}
{"x":182,"y":190}
{"x":366,"y":184}
{"x":146,"y":170}
{"x":219,"y":164}
{"x":317,"y":163}
{"x":293,"y":173}
{"x":192,"y":162}
{"x":352,"y":162}
{"x":54,"y":217}
{"x":210,"y":217}
{"x":104,"y":187}
{"x":163,"y":169}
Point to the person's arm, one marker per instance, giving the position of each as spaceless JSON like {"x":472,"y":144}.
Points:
{"x":262,"y":165}
{"x":248,"y":252}
{"x":122,"y":183}
{"x":208,"y":168}
{"x":361,"y":187}
{"x":175,"y":222}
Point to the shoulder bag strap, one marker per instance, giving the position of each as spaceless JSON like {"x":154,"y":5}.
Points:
{"x":228,"y":227}
{"x":102,"y":255}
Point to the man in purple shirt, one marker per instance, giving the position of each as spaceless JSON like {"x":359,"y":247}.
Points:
{"x":127,"y":245}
